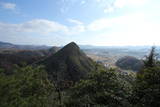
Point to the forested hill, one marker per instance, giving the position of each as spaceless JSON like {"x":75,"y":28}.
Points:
{"x":69,"y":63}
{"x":11,"y":57}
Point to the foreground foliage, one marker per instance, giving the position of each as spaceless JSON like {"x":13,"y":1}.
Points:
{"x":30,"y":87}
{"x":102,"y":88}
{"x":27,"y":87}
{"x":147,"y":87}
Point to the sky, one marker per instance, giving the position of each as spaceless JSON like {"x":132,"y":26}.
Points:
{"x":86,"y":22}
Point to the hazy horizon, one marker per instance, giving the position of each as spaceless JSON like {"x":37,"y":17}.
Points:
{"x":85,"y":45}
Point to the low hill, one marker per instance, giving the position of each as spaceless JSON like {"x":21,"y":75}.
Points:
{"x":9,"y":58}
{"x":68,"y":64}
{"x":129,"y":63}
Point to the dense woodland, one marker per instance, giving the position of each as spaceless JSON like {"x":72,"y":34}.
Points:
{"x":77,"y":81}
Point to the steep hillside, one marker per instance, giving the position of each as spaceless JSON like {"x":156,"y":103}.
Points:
{"x":68,"y":64}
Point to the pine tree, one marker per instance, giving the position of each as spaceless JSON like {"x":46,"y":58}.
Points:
{"x":151,"y":59}
{"x":147,"y":87}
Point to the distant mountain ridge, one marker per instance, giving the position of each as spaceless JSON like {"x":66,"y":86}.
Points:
{"x":6,"y":45}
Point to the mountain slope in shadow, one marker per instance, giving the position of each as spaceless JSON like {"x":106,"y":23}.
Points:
{"x":68,"y":64}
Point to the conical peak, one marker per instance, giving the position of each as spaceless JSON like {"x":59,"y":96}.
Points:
{"x":70,"y":63}
{"x":71,"y":46}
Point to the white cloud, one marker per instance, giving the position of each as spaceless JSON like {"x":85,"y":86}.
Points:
{"x":38,"y":26}
{"x":9,"y":6}
{"x":131,"y":29}
{"x":129,"y":20}
{"x":100,"y":24}
{"x":75,"y":21}
{"x":108,"y":10}
{"x":42,"y":26}
{"x":77,"y":28}
{"x":111,"y":5}
{"x":122,"y":3}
